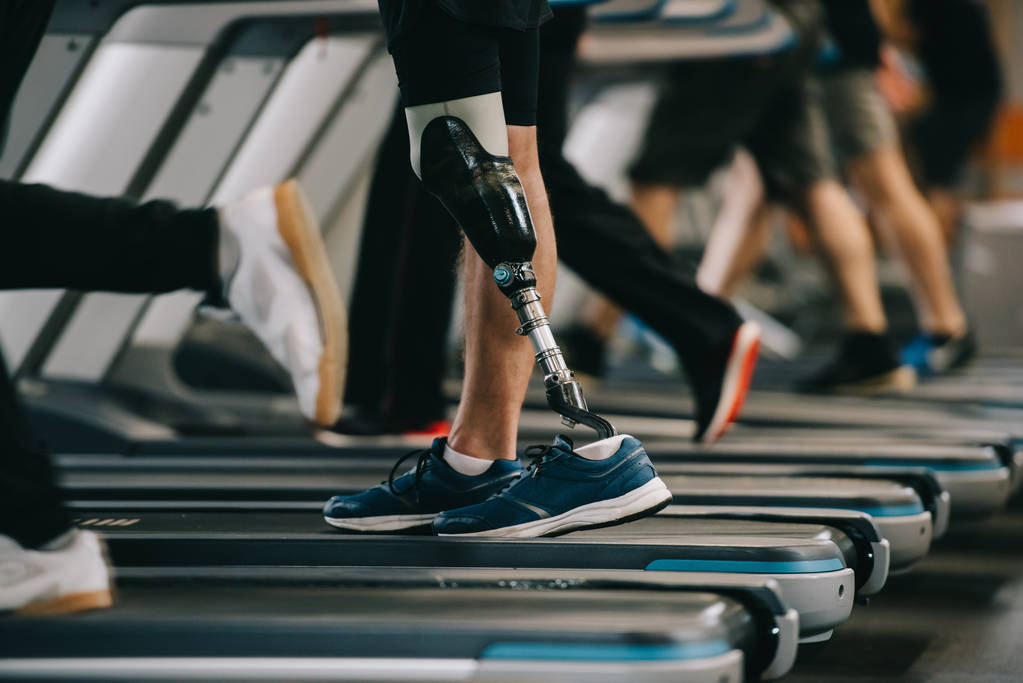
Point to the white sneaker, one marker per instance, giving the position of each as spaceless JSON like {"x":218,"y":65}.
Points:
{"x":70,"y":578}
{"x":280,"y":284}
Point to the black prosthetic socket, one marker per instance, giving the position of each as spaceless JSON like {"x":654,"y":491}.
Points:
{"x":483,"y":194}
{"x":480,"y":190}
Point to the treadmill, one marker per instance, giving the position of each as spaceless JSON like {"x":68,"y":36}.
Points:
{"x":415,"y":624}
{"x":811,"y":563}
{"x":190,"y":628}
{"x":980,"y":472}
{"x":790,"y":410}
{"x":232,"y":483}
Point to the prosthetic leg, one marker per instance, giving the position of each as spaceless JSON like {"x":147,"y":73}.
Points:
{"x":480,"y":189}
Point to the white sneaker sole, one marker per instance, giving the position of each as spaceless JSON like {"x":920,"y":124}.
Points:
{"x":300,"y":231}
{"x":647,"y":499}
{"x":382,"y":523}
{"x":72,"y":602}
{"x":898,"y":381}
{"x":738,"y":374}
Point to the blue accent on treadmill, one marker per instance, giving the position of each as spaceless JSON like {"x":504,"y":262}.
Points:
{"x":747,"y":566}
{"x":938,"y":466}
{"x":893,"y":510}
{"x":605,"y":652}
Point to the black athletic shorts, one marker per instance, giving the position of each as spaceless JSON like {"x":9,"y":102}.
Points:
{"x":944,"y":136}
{"x":443,"y":51}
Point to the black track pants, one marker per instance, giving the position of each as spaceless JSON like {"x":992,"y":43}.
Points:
{"x":57,"y":239}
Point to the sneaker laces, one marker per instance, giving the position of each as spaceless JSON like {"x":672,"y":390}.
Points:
{"x":420,"y":470}
{"x":538,"y":455}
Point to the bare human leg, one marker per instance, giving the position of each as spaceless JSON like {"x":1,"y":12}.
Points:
{"x":914,"y":229}
{"x":844,"y":240}
{"x":498,"y":362}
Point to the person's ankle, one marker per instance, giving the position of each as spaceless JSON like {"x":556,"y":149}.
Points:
{"x":948,"y":332}
{"x":479,"y":448}
{"x":465,"y":464}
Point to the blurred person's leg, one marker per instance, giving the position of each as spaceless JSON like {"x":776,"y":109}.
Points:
{"x":741,"y":230}
{"x":865,"y":137}
{"x":792,"y":148}
{"x":405,"y":278}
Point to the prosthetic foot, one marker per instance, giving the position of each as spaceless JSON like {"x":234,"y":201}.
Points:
{"x":482,"y":192}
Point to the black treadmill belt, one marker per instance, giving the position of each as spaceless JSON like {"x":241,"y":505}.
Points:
{"x":292,"y":540}
{"x":939,"y":457}
{"x":302,"y":539}
{"x":768,"y":408}
{"x":878,"y":496}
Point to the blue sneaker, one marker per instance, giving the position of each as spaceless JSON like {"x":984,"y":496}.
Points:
{"x":563,"y":490}
{"x":936,"y":354}
{"x":413,"y":499}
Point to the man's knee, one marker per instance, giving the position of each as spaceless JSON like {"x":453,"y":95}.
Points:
{"x":882,"y":177}
{"x":483,"y":193}
{"x":522,"y":149}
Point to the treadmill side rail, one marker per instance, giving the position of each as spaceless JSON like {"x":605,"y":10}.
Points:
{"x":788,"y":645}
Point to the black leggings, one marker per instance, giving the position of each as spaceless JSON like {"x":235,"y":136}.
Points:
{"x":439,"y":58}
{"x":57,"y":239}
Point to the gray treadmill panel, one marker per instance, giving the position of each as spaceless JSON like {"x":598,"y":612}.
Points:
{"x":298,"y":539}
{"x":480,"y":625}
{"x":753,"y":28}
{"x":806,"y":562}
{"x":935,"y":456}
{"x":56,"y":62}
{"x":780,"y":409}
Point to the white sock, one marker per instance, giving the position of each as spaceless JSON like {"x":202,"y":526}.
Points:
{"x":601,"y":450}
{"x":465,"y":464}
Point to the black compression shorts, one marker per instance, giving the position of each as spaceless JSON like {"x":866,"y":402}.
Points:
{"x":440,"y":58}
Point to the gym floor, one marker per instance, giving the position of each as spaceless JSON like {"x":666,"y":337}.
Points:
{"x":956,"y":616}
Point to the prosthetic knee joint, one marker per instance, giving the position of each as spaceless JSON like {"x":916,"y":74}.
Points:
{"x":483,"y":193}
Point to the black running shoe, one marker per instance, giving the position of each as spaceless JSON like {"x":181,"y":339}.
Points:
{"x":865,"y":365}
{"x":720,"y":386}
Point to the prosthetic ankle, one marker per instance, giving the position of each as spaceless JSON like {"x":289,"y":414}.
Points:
{"x":483,"y":193}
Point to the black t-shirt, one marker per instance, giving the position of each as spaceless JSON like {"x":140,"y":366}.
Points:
{"x":957,"y":50}
{"x":851,"y":25}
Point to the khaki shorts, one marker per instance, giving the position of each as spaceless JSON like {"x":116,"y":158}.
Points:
{"x":772,"y":106}
{"x":858,"y":117}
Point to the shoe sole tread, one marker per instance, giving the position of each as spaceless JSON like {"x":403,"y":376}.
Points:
{"x":72,"y":602}
{"x":299,"y":229}
{"x":636,"y":504}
